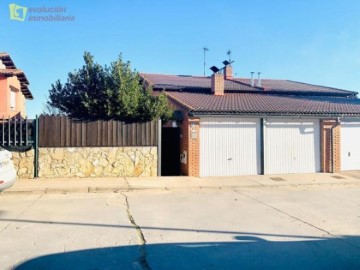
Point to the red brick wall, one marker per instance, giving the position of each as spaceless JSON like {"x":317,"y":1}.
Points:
{"x":330,"y":144}
{"x":228,"y":72}
{"x":184,"y":144}
{"x":217,"y":84}
{"x":190,"y":143}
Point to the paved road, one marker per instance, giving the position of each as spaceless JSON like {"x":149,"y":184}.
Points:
{"x":304,"y":227}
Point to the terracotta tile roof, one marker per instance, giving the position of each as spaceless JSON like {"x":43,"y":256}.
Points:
{"x":11,"y":70}
{"x":247,"y":103}
{"x":281,"y":97}
{"x":293,"y":86}
{"x":203,"y":84}
{"x":191,"y":83}
{"x":7,"y":61}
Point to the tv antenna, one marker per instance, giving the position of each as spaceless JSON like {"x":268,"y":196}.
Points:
{"x":228,"y":52}
{"x":205,"y":50}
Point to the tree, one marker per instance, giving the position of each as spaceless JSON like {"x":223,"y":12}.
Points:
{"x":109,"y":92}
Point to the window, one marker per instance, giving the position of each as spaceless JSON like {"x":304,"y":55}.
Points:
{"x":12,"y":100}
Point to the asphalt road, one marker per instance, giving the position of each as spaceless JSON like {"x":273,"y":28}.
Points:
{"x":304,"y":227}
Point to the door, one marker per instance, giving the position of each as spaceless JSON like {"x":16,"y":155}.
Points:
{"x":229,"y":146}
{"x":170,"y":151}
{"x":350,"y":146}
{"x":291,"y":146}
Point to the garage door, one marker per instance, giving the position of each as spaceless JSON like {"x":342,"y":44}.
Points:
{"x":350,"y":146}
{"x":292,"y":146}
{"x":229,"y":147}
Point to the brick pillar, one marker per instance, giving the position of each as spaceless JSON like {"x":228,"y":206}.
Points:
{"x":190,"y":144}
{"x":330,"y":146}
{"x":184,"y":145}
{"x":217,"y":84}
{"x":337,"y":147}
{"x":228,"y":72}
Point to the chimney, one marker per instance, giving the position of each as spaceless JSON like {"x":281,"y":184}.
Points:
{"x":252,"y":79}
{"x":228,"y":72}
{"x":217,"y":84}
{"x":259,"y":79}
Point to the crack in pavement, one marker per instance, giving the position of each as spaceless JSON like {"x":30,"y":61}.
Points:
{"x":22,"y":212}
{"x":128,"y":185}
{"x":142,"y":258}
{"x":298,"y":219}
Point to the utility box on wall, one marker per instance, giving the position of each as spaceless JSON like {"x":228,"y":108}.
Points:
{"x":183,"y":157}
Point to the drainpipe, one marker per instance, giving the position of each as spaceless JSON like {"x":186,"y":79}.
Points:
{"x":262,"y":143}
{"x":36,"y":148}
{"x":159,"y":124}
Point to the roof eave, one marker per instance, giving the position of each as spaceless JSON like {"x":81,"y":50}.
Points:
{"x":197,"y":113}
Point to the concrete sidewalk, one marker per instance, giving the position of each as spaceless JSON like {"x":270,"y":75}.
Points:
{"x":91,"y":185}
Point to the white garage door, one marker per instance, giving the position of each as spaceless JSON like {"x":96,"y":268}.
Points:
{"x":350,"y":146}
{"x":229,"y":147}
{"x":292,"y":146}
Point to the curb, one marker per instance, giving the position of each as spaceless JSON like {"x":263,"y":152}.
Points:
{"x":105,"y":189}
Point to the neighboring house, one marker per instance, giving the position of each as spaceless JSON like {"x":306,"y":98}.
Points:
{"x":233,"y":126}
{"x":13,"y":89}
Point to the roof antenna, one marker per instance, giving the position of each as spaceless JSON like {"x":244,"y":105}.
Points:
{"x":228,"y":52}
{"x":205,"y":50}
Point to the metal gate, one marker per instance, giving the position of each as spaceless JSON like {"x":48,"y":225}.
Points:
{"x":229,"y":146}
{"x":292,"y":146}
{"x":350,"y":146}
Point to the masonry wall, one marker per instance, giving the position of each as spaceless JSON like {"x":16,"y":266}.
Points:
{"x":88,"y":162}
{"x":97,"y":162}
{"x":190,"y":143}
{"x":142,"y":161}
{"x":330,"y":146}
{"x":24,"y":163}
{"x":4,"y":94}
{"x":5,"y":110}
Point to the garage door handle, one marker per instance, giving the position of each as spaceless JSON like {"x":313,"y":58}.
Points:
{"x":229,"y":158}
{"x":349,"y":154}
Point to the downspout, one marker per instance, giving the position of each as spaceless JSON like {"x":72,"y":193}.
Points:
{"x":262,"y":143}
{"x":159,"y":146}
{"x":36,"y":148}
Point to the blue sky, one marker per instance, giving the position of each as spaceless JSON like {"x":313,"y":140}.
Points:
{"x":314,"y":41}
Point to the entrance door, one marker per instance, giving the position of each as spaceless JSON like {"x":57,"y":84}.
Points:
{"x":170,"y":152}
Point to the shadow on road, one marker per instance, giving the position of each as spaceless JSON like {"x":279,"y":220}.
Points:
{"x":244,"y":252}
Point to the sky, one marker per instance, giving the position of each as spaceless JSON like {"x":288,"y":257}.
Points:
{"x":312,"y":41}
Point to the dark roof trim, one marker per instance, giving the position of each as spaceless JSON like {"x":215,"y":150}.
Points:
{"x":269,"y":114}
{"x":270,"y":92}
{"x":337,"y":89}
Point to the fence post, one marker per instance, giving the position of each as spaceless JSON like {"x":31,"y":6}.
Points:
{"x":36,"y":148}
{"x":159,"y":147}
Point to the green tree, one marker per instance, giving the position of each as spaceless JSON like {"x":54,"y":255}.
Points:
{"x":109,"y":92}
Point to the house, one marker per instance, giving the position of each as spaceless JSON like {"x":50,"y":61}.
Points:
{"x":13,"y":89}
{"x":234,"y":126}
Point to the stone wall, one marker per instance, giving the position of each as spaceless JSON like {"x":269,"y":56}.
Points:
{"x":24,"y":163}
{"x":97,"y":162}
